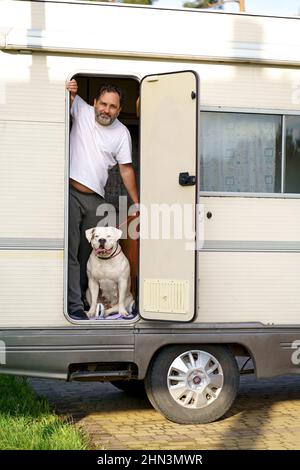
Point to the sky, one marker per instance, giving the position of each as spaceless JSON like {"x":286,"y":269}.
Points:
{"x":265,"y":7}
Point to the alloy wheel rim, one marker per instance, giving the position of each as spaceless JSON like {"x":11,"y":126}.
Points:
{"x":195,"y":379}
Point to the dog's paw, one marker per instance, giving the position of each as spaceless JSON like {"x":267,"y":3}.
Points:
{"x":131,"y":307}
{"x":91,"y":313}
{"x":123,"y":312}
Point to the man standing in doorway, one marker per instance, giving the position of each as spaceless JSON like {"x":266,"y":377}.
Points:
{"x":98,"y":141}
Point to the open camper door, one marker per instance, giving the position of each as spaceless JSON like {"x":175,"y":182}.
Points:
{"x":168,"y":148}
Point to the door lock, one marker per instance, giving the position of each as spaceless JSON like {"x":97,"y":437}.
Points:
{"x":186,"y":180}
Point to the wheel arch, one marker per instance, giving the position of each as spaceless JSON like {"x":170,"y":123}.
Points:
{"x":237,"y":349}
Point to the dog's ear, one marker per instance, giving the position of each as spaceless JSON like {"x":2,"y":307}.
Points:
{"x":89,"y":233}
{"x":117,"y":233}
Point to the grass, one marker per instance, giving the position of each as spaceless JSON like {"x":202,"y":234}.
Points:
{"x":28,"y":423}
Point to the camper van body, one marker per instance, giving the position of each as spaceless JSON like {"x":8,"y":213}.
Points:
{"x":239,"y":289}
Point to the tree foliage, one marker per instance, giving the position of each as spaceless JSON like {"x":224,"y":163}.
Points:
{"x":201,"y":3}
{"x":136,"y":2}
{"x":140,"y":2}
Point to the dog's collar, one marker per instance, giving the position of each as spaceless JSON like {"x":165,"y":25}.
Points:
{"x":113,"y":255}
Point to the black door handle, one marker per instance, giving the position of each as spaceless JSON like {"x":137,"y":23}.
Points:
{"x":186,"y":180}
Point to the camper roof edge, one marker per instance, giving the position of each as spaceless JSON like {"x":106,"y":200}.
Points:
{"x":192,"y":35}
{"x":155,"y":7}
{"x":24,"y":40}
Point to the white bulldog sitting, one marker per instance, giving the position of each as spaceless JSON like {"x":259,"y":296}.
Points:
{"x":108,"y":273}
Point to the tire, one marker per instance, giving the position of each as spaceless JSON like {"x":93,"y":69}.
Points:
{"x":134,"y":387}
{"x":192,"y":384}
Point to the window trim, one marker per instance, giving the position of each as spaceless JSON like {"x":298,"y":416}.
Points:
{"x":283,"y":153}
{"x":253,"y":195}
{"x":228,"y":109}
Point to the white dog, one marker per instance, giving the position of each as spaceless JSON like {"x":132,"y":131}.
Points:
{"x":108,"y":269}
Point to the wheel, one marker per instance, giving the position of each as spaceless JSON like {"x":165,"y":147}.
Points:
{"x":193,"y":385}
{"x":134,"y":387}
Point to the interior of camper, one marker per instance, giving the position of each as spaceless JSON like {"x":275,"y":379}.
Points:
{"x":88,"y":85}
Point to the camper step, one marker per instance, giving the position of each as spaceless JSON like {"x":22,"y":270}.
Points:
{"x":102,"y":376}
{"x":247,"y":372}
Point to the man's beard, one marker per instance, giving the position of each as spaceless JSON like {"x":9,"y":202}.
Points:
{"x":103,"y":119}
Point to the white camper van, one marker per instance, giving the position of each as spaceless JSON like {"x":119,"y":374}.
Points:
{"x":218,"y":136}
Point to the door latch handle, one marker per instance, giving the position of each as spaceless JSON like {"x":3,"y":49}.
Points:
{"x":186,"y":180}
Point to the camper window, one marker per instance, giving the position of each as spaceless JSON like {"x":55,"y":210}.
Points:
{"x":240,"y":152}
{"x":250,"y":153}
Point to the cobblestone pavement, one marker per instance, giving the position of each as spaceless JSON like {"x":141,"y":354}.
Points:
{"x":265,"y":416}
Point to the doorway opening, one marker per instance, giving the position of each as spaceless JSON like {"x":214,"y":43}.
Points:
{"x":116,"y":194}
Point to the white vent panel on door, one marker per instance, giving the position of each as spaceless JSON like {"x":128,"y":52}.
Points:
{"x":164,"y":295}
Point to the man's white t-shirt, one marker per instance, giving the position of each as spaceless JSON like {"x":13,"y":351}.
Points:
{"x":94,"y":149}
